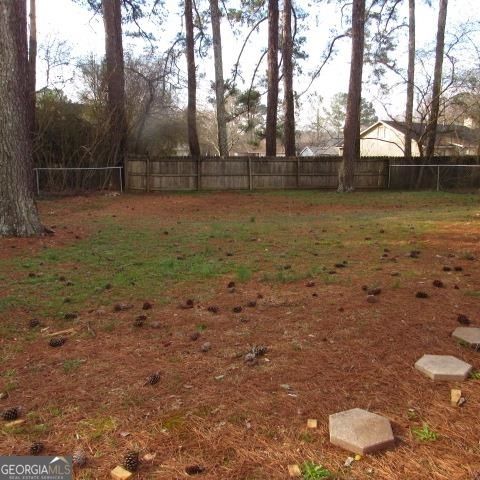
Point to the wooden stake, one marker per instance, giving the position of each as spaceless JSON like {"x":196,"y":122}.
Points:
{"x":15,"y":423}
{"x":61,"y":332}
{"x":119,"y":473}
{"x":312,"y":423}
{"x":294,"y":471}
{"x":455,"y":396}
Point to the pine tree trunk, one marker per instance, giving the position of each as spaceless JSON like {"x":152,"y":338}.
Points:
{"x":410,"y":80}
{"x":32,"y":64}
{"x":219,"y":80}
{"x":192,"y":82}
{"x":289,"y":103}
{"x":117,"y":121}
{"x":18,"y":211}
{"x":351,"y":135}
{"x":437,"y":80}
{"x":272,"y":94}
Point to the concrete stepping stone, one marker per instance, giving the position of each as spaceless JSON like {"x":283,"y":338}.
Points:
{"x":360,"y":431}
{"x":469,"y":335}
{"x":443,"y":367}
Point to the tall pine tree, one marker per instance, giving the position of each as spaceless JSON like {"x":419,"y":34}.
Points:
{"x":18,"y":211}
{"x":351,"y":132}
{"x":272,"y":94}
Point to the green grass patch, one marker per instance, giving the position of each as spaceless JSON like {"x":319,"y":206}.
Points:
{"x":54,"y":411}
{"x":138,"y":260}
{"x":174,"y":422}
{"x":97,"y":427}
{"x":243,"y":273}
{"x":424,"y":433}
{"x":306,"y":437}
{"x":71,"y":365}
{"x":6,"y":303}
{"x":10,"y":380}
{"x":314,"y":471}
{"x":424,"y":199}
{"x":472,"y":293}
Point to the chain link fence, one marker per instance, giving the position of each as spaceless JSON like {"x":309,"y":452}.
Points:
{"x":439,"y":177}
{"x":75,"y":180}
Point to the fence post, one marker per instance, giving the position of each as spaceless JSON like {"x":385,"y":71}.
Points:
{"x":147,"y":174}
{"x":388,"y":177}
{"x":438,"y":178}
{"x":120,"y":179}
{"x":250,"y":183}
{"x":298,"y":172}
{"x":199,"y":166}
{"x":38,"y":182}
{"x":125,"y":173}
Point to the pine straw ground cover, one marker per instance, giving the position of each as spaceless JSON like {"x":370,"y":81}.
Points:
{"x":299,"y":261}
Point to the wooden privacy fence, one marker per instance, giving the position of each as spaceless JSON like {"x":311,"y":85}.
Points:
{"x":248,"y":173}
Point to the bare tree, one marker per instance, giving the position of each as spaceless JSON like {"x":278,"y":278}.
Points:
{"x":410,"y":79}
{"x":112,"y":19}
{"x":351,"y":132}
{"x":219,"y":81}
{"x":18,"y":211}
{"x":53,"y":55}
{"x":272,"y":94}
{"x":192,"y":82}
{"x":150,"y":88}
{"x":289,"y":101}
{"x":437,"y":79}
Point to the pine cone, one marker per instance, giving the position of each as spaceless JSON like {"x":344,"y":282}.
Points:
{"x":130,"y":461}
{"x":79,"y":458}
{"x":153,"y":378}
{"x":10,"y":414}
{"x":251,"y":359}
{"x":194,"y":469}
{"x":139,"y":321}
{"x":57,"y":341}
{"x":259,"y":350}
{"x":36,"y":448}
{"x":34,"y":322}
{"x":421,"y":295}
{"x":463,"y":319}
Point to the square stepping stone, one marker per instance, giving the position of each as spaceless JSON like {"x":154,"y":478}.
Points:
{"x":469,"y":335}
{"x":360,"y":431}
{"x":443,"y":367}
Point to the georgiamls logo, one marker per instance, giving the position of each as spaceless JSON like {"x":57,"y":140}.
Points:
{"x":35,"y":468}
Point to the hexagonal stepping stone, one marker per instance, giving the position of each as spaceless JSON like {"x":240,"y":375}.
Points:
{"x":469,"y":335}
{"x":360,"y":431}
{"x":443,"y":367}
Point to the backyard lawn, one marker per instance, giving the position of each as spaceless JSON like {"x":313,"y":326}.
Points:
{"x":188,"y":284}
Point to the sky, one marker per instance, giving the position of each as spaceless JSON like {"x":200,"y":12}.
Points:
{"x":83,"y":33}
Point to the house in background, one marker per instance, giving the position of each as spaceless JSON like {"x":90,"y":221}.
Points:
{"x":331,"y":148}
{"x":246,"y":149}
{"x":386,"y":138}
